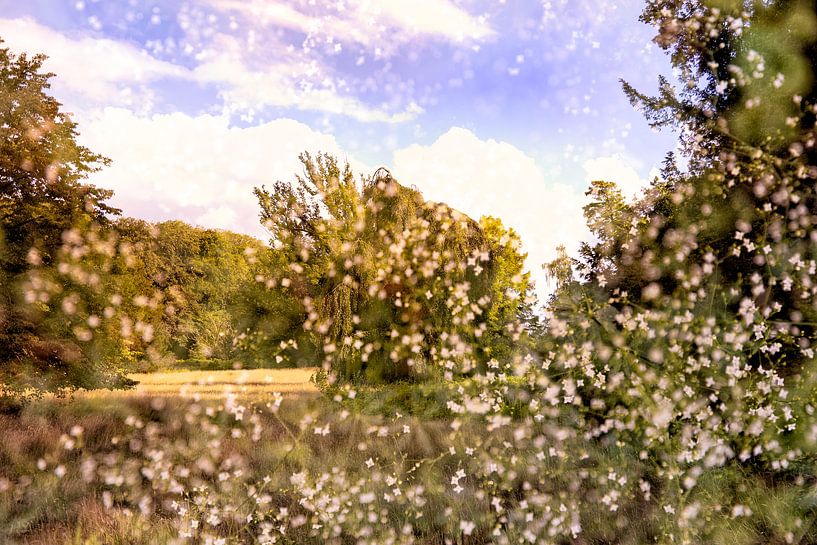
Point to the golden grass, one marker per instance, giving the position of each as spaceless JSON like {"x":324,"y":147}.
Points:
{"x":254,"y":384}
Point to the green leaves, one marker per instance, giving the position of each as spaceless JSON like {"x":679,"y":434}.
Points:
{"x":690,"y":335}
{"x":387,"y":279}
{"x":59,"y":327}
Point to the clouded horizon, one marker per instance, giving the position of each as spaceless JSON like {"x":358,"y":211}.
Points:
{"x":495,"y":107}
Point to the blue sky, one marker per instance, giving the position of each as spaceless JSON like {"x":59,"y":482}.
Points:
{"x":497,"y":107}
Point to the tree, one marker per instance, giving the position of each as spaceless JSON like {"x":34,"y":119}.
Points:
{"x":392,"y":286}
{"x":510,"y":315}
{"x":199,"y":276}
{"x":57,"y":326}
{"x":690,"y":336}
{"x":41,"y":165}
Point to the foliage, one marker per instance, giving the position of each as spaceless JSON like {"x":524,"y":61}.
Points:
{"x":670,"y":399}
{"x":387,"y":279}
{"x":85,"y":294}
{"x":688,"y":335}
{"x":510,"y":313}
{"x":60,"y":325}
{"x":196,"y":277}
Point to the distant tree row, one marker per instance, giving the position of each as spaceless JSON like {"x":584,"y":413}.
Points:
{"x":193,"y":279}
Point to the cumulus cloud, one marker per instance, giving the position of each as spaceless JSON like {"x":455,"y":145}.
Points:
{"x":91,"y":70}
{"x":202,"y":170}
{"x":198,"y":168}
{"x":489,"y":177}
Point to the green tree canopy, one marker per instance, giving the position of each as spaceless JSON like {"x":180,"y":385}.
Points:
{"x":393,"y":286}
{"x":199,"y":276}
{"x":56,"y":315}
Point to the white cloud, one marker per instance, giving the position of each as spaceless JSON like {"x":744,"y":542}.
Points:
{"x":93,"y":73}
{"x":294,"y":83}
{"x":487,"y":177}
{"x":269,"y":13}
{"x":198,"y":169}
{"x":366,"y":23}
{"x":433,"y":17}
{"x":90,"y":69}
{"x":309,"y":78}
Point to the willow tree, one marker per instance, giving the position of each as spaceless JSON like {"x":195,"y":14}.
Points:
{"x":393,"y":286}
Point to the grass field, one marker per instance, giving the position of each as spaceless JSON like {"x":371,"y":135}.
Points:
{"x":261,"y":457}
{"x":178,"y":456}
{"x":250,"y":384}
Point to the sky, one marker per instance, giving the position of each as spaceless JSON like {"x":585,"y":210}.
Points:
{"x":497,"y":107}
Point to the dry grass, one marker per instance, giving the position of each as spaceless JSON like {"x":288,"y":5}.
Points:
{"x":250,"y":384}
{"x":131,"y":448}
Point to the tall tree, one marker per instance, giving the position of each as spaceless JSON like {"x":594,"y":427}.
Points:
{"x":691,"y":339}
{"x":56,"y":245}
{"x":510,"y":315}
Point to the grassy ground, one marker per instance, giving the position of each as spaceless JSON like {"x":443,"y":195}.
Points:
{"x":251,"y":384}
{"x":260,"y":457}
{"x":176,"y":456}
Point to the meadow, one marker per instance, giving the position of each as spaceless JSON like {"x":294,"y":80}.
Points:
{"x":222,"y":457}
{"x":261,"y":456}
{"x":252,"y":384}
{"x":379,"y":369}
